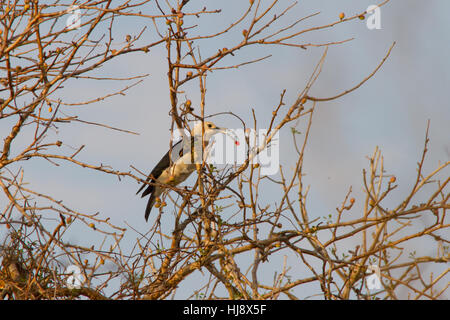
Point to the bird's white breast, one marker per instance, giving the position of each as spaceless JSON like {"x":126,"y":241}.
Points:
{"x":182,"y":168}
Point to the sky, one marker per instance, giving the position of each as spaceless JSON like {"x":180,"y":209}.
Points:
{"x":390,"y":111}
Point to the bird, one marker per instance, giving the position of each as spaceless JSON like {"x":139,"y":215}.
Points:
{"x":172,"y":170}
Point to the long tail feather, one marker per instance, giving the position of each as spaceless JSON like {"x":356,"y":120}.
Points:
{"x":149,"y":207}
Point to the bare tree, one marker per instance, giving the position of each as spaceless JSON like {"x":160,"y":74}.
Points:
{"x":219,"y":219}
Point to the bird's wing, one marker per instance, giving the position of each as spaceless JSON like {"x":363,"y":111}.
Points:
{"x":163,"y":164}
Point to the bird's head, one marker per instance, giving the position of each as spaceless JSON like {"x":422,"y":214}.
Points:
{"x":210,"y":129}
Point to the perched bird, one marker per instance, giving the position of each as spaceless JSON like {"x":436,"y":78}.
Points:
{"x":178,"y":163}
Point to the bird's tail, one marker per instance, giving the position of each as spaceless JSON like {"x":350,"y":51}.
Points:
{"x":150,"y":204}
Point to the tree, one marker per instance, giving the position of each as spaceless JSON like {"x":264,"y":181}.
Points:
{"x":219,"y":225}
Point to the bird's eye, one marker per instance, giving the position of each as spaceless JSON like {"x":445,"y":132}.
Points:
{"x":209,"y":125}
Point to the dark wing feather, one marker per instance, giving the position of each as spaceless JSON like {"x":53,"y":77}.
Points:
{"x":160,"y":167}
